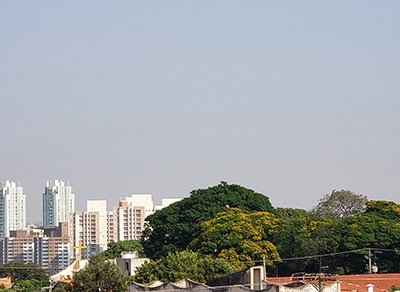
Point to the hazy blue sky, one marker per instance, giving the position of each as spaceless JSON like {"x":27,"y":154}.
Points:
{"x":289,"y":98}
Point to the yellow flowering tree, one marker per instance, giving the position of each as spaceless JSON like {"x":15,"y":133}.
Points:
{"x":239,"y":237}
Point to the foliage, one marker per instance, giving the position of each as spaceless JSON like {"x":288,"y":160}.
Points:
{"x":375,"y":229}
{"x":100,"y":275}
{"x":172,"y":228}
{"x":22,"y":271}
{"x":27,"y":285}
{"x":116,"y":248}
{"x":236,"y":236}
{"x":306,"y":234}
{"x":291,"y":213}
{"x":180,"y":265}
{"x":341,"y":204}
{"x":301,"y":233}
{"x":384,"y":209}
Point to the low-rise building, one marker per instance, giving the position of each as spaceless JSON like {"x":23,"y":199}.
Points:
{"x":129,"y":261}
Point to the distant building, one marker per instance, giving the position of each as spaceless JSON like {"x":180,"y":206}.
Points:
{"x":96,"y":227}
{"x":58,"y":202}
{"x":166,"y":203}
{"x":52,"y":251}
{"x":141,"y":200}
{"x":12,"y":208}
{"x":93,"y":228}
{"x":47,"y":247}
{"x":130,"y":219}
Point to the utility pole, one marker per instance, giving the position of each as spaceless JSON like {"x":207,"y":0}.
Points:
{"x":320,"y":265}
{"x":369,"y":261}
{"x":264,"y":268}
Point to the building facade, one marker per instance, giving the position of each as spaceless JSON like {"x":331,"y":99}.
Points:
{"x":12,"y":208}
{"x":53,"y":250}
{"x":93,"y":228}
{"x":130,"y":220}
{"x":141,"y":200}
{"x":48,"y":248}
{"x":58,"y":203}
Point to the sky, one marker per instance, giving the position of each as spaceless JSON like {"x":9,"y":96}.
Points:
{"x":289,"y":98}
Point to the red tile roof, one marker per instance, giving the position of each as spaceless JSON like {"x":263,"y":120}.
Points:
{"x":382,"y":282}
{"x":352,"y":283}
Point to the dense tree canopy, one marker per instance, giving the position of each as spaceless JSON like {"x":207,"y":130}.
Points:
{"x":172,"y":228}
{"x":100,"y":275}
{"x":23,"y":271}
{"x":306,"y":234}
{"x":25,"y":276}
{"x":302,"y":233}
{"x":116,"y":248}
{"x":378,"y":228}
{"x":385,"y":209}
{"x":340,"y":204}
{"x":237,"y":236}
{"x":181,"y":265}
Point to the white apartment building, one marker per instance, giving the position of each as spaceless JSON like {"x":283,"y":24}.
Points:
{"x":96,"y":227}
{"x":141,"y":200}
{"x":93,"y":228}
{"x":12,"y":208}
{"x":130,"y":219}
{"x":132,"y":212}
{"x":166,"y":203}
{"x":58,"y":202}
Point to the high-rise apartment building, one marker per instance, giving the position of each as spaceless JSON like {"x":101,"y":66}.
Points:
{"x":141,"y":200}
{"x":58,"y":203}
{"x":12,"y":208}
{"x":53,"y":250}
{"x":93,"y":228}
{"x":130,"y":220}
{"x":47,"y":247}
{"x":96,"y":227}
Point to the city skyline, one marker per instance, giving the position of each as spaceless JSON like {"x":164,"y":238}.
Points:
{"x":291,"y":99}
{"x":51,"y":244}
{"x":37,"y":217}
{"x":57,"y":187}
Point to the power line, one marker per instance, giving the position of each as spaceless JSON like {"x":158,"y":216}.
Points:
{"x":331,"y":254}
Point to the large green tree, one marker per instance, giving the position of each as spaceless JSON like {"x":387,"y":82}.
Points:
{"x":341,"y":204}
{"x":181,"y":265}
{"x":378,"y":227}
{"x":237,"y":236}
{"x":25,"y":271}
{"x":301,"y":233}
{"x":100,"y":275}
{"x":30,"y":285}
{"x":115,"y":248}
{"x":172,"y":228}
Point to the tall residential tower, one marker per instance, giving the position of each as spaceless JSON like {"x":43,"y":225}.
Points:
{"x":12,"y":208}
{"x":58,"y":203}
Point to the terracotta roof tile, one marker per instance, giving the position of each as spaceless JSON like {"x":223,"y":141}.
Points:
{"x":382,"y":282}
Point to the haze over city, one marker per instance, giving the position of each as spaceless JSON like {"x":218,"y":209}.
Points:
{"x":166,"y":97}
